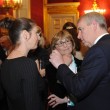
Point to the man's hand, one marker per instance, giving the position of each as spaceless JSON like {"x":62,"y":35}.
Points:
{"x":67,"y":59}
{"x":56,"y":58}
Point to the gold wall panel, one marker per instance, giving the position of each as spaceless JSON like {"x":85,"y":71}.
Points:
{"x":56,"y":14}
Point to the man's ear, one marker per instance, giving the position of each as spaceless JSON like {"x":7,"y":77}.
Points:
{"x":26,"y":34}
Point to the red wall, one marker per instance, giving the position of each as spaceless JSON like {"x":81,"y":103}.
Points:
{"x":37,"y":12}
{"x":60,"y":1}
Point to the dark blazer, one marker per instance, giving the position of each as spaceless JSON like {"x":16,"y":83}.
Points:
{"x":55,"y":87}
{"x":42,"y":55}
{"x":2,"y":54}
{"x":91,"y":85}
{"x":3,"y":102}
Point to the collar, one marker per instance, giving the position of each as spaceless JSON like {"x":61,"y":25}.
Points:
{"x":72,"y":66}
{"x":100,"y":38}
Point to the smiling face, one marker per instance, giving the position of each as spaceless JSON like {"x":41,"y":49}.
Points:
{"x":64,"y":46}
{"x":63,"y":42}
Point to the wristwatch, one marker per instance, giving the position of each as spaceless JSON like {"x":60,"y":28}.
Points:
{"x":70,"y":103}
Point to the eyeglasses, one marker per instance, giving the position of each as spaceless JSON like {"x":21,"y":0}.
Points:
{"x":39,"y":34}
{"x":61,"y":43}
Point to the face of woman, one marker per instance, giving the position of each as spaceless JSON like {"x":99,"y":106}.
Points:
{"x":64,"y":46}
{"x":35,"y":37}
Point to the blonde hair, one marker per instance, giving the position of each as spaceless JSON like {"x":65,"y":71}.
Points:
{"x":61,"y":35}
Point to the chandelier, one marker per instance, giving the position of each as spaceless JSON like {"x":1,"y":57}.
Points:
{"x":14,"y":4}
{"x":95,"y":8}
{"x":11,"y":4}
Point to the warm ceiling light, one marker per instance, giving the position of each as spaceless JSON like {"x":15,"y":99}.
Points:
{"x":14,"y":4}
{"x":11,"y":4}
{"x":95,"y":8}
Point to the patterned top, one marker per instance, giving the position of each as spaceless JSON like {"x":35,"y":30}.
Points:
{"x":20,"y":78}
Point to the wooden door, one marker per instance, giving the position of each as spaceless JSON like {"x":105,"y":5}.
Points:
{"x":56,"y":14}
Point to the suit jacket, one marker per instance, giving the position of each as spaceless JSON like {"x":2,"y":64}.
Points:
{"x":2,"y":54}
{"x":91,"y":85}
{"x":3,"y":102}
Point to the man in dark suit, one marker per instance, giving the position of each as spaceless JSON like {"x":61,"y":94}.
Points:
{"x":91,"y":85}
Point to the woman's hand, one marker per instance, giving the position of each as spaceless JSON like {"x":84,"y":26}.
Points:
{"x":41,"y":71}
{"x":55,"y":100}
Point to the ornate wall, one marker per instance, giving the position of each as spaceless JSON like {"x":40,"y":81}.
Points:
{"x":37,"y":8}
{"x":60,"y":1}
{"x":37,"y":12}
{"x":57,"y":14}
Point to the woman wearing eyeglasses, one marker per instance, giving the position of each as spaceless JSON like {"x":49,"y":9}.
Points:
{"x":59,"y":99}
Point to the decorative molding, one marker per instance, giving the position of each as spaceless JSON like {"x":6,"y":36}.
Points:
{"x":62,"y":10}
{"x":24,"y":11}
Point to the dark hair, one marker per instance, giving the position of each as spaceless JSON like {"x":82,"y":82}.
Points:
{"x":72,"y":29}
{"x":15,"y":26}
